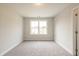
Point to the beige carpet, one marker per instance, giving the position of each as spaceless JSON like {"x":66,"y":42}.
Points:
{"x":38,"y":48}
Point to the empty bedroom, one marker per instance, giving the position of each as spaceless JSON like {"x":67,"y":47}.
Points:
{"x":39,"y":29}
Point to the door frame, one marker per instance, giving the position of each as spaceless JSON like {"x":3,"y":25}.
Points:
{"x":74,"y":30}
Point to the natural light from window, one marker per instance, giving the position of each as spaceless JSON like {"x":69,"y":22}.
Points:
{"x":38,"y":27}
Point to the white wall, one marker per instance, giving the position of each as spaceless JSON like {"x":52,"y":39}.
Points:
{"x":28,"y":36}
{"x":64,"y":29}
{"x":10,"y":28}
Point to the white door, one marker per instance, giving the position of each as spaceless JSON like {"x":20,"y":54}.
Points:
{"x":76,"y":31}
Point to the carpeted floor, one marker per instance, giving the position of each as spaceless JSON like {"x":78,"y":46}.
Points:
{"x":38,"y":48}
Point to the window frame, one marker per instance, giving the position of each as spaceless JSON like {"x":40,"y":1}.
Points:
{"x":38,"y":27}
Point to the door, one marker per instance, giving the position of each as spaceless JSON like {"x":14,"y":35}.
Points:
{"x":76,"y":31}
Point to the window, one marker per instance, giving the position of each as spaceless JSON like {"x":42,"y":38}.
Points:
{"x":39,"y":27}
{"x":34,"y":27}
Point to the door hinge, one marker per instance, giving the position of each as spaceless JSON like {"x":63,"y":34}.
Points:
{"x":76,"y":14}
{"x":76,"y":32}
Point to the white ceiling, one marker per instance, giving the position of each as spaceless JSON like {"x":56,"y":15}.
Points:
{"x":43,"y":10}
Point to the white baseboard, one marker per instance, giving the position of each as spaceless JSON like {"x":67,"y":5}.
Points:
{"x":64,"y":47}
{"x":9,"y":49}
{"x":38,"y":39}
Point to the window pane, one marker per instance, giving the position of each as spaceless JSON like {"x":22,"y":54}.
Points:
{"x":34,"y":31}
{"x":43,"y":23}
{"x":34,"y":27}
{"x":43,"y":27}
{"x":43,"y":31}
{"x":34,"y":23}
